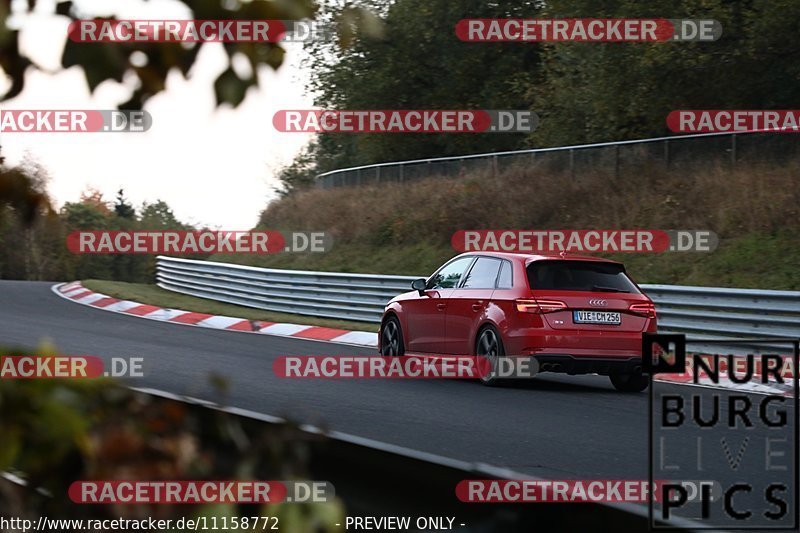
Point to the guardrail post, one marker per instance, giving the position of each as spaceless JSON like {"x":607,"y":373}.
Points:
{"x":378,"y":175}
{"x":572,"y":163}
{"x":666,"y":154}
{"x":402,"y":177}
{"x":616,"y":161}
{"x":494,"y":166}
{"x":733,"y":150}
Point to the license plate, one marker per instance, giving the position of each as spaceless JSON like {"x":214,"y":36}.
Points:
{"x":611,"y":318}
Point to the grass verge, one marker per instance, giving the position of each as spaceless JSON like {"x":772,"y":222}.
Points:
{"x":154,"y":295}
{"x":758,"y":260}
{"x":395,"y":228}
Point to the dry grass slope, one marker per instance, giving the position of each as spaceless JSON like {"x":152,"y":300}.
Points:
{"x":406,"y":228}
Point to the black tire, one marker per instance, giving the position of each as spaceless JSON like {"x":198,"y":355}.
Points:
{"x":490,"y":345}
{"x":630,"y":382}
{"x":392,"y":338}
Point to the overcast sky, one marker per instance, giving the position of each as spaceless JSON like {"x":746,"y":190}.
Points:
{"x":214,"y":166}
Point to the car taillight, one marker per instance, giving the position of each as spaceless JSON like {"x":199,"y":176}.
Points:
{"x":647,"y":310}
{"x":540,"y":306}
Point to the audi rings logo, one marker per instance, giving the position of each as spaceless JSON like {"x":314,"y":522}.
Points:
{"x":598,"y":303}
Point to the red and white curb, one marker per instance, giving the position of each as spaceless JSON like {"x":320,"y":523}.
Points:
{"x":78,"y":293}
{"x":754,"y":386}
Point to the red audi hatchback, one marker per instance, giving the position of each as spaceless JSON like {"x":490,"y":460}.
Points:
{"x":576,"y":315}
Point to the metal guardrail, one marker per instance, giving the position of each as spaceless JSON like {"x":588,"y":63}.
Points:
{"x":358,"y":297}
{"x":724,"y":314}
{"x":675,"y":152}
{"x":702,"y":312}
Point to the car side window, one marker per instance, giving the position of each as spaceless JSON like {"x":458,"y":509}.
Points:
{"x":506,"y":278}
{"x":449,"y":276}
{"x":483,"y":274}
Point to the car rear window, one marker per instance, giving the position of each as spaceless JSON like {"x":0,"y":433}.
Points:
{"x":579,"y":276}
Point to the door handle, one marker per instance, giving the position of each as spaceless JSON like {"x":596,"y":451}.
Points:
{"x":441,"y":307}
{"x":477,"y":306}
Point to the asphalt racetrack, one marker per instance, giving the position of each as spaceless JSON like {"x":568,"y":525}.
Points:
{"x":555,"y":427}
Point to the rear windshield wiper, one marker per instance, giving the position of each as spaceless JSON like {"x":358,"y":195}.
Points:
{"x":607,"y":289}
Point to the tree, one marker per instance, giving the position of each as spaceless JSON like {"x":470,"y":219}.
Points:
{"x":583,"y":92}
{"x":112,"y":61}
{"x":92,"y":197}
{"x":122,"y":207}
{"x":23,"y":204}
{"x":90,"y":214}
{"x":301,"y":172}
{"x":23,"y":193}
{"x":421,"y":64}
{"x":593,"y":92}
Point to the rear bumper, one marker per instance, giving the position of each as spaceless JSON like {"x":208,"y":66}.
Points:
{"x":569,"y":364}
{"x":579,"y":344}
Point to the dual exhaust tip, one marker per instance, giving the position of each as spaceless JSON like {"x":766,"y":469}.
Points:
{"x":551,"y":367}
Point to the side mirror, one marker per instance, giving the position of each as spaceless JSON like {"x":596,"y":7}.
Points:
{"x":419,"y":285}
